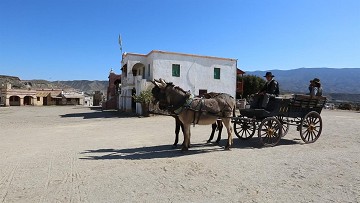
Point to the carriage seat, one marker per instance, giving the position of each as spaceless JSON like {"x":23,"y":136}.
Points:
{"x":255,"y":113}
{"x":271,"y":109}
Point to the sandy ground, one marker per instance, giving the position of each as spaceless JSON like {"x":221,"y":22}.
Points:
{"x":78,"y":154}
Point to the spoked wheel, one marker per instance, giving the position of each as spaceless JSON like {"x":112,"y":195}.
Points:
{"x":311,"y":127}
{"x":244,"y":128}
{"x":270,"y":131}
{"x":285,"y":124}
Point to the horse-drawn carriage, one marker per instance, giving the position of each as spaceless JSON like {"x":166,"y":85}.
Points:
{"x":271,"y":124}
{"x":302,"y":111}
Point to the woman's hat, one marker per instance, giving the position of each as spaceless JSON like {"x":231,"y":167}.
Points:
{"x":269,"y":74}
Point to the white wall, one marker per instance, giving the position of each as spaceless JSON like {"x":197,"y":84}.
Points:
{"x":197,"y":72}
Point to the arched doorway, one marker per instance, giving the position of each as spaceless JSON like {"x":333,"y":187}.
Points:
{"x":28,"y":100}
{"x":117,"y":84}
{"x":14,"y":101}
{"x":139,"y":70}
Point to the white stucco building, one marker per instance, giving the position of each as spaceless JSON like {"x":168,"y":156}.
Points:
{"x":196,"y":73}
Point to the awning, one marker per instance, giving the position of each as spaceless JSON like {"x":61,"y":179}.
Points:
{"x":42,"y":94}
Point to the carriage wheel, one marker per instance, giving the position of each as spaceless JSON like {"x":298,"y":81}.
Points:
{"x":244,"y":128}
{"x":311,"y":127}
{"x":270,"y":131}
{"x":285,"y":122}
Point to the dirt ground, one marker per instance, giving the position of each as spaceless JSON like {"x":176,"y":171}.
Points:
{"x":79,"y":154}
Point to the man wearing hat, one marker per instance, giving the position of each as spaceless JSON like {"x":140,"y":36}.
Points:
{"x":268,"y":91}
{"x":315,"y":87}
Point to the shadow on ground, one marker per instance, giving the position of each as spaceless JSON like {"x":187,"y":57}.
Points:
{"x":168,"y":151}
{"x":254,"y":143}
{"x":151,"y":152}
{"x":98,"y":113}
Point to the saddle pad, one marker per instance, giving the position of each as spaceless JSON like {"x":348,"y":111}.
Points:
{"x":211,"y":106}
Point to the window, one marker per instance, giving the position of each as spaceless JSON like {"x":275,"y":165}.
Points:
{"x":176,"y":70}
{"x":38,"y":98}
{"x":216,"y":73}
{"x":148,"y":70}
{"x":202,"y":92}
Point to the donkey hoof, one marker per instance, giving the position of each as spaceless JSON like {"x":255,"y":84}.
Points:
{"x":184,"y":149}
{"x":227,"y":147}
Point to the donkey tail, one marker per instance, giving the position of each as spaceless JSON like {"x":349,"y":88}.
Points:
{"x":234,"y":109}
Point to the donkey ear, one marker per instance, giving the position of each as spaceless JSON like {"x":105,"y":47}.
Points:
{"x":154,"y":82}
{"x":160,"y":83}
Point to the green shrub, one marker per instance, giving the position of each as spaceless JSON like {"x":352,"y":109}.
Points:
{"x":144,"y":97}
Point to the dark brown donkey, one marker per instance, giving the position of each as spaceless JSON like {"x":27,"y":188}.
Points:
{"x":195,"y":110}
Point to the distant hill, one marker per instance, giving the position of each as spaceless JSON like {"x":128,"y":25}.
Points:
{"x":16,"y":83}
{"x":87,"y":86}
{"x":345,"y":80}
{"x":81,"y":85}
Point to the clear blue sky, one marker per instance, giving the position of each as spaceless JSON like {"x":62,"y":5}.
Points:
{"x":78,"y":39}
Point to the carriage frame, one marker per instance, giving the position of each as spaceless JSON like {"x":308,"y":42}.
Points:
{"x":302,"y":111}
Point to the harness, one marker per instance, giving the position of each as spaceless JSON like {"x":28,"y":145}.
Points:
{"x":188,"y":104}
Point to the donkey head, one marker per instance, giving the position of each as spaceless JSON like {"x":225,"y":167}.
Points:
{"x":169,"y":96}
{"x":159,"y":93}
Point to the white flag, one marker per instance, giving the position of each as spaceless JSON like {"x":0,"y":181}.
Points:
{"x":120,"y":42}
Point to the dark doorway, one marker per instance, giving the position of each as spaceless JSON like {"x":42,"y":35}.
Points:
{"x":14,"y":101}
{"x":45,"y":102}
{"x":27,"y":100}
{"x":133,"y":103}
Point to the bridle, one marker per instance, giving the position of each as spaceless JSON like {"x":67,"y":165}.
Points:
{"x":169,"y":91}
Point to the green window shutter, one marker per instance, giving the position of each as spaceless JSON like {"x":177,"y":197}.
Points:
{"x":216,"y":73}
{"x":176,"y":70}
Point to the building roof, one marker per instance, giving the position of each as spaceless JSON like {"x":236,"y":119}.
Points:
{"x":70,"y":96}
{"x":176,"y":53}
{"x":239,"y":72}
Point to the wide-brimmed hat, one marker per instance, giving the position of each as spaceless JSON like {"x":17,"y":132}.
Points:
{"x":316,"y":80}
{"x":269,"y":74}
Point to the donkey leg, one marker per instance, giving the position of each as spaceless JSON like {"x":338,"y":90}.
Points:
{"x":213,"y":129}
{"x":177,"y":130}
{"x":220,"y":127}
{"x":182,"y":127}
{"x":186,"y":142}
{"x":227,"y":123}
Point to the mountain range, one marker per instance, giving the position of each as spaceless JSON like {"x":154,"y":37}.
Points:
{"x":344,"y":80}
{"x":88,"y":86}
{"x":338,"y":84}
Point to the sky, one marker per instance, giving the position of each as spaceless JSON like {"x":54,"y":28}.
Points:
{"x":78,"y":39}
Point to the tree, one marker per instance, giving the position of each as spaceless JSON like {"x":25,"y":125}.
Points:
{"x":252,"y":84}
